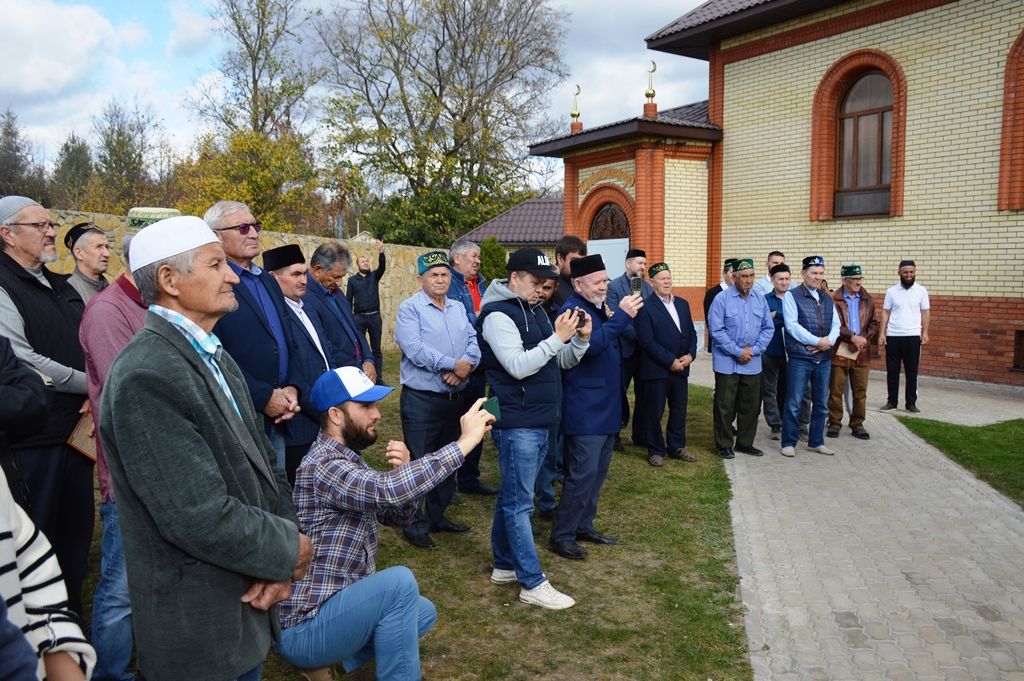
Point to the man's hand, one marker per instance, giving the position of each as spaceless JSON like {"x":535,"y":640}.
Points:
{"x":379,"y":244}
{"x":565,"y":325}
{"x":370,"y":369}
{"x":263,"y":594}
{"x":881,"y":340}
{"x":686,"y":360}
{"x":859,"y":342}
{"x":463,"y":368}
{"x":451,"y":379}
{"x":745,"y":356}
{"x":87,"y":409}
{"x":677,"y":366}
{"x":924,"y":338}
{"x":397,"y":453}
{"x":474,"y":424}
{"x":277,"y":406}
{"x":305,"y":555}
{"x":631,"y":304}
{"x":824,"y":343}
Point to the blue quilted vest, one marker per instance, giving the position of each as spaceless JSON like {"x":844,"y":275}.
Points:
{"x":816,"y":317}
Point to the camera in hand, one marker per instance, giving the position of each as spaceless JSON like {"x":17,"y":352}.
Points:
{"x":581,"y":318}
{"x":636,"y":284}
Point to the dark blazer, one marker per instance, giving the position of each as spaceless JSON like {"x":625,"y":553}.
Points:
{"x":246,"y":335}
{"x":306,"y":366}
{"x":660,"y":341}
{"x":592,"y":390}
{"x":619,"y":288}
{"x":203,"y":513}
{"x":335,"y":312}
{"x":709,"y":297}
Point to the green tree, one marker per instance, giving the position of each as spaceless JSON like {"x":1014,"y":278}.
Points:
{"x":275,"y":177}
{"x":124,"y":139}
{"x":492,"y":259}
{"x":70,"y":180}
{"x":19,"y":173}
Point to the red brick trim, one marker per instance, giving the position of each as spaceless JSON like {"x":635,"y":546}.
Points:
{"x":598,"y":197}
{"x":716,"y":102}
{"x":869,"y":16}
{"x":831,"y":90}
{"x":648,"y":232}
{"x":687,"y":152}
{"x":570,"y":198}
{"x":1011,"y":152}
{"x":599,"y":158}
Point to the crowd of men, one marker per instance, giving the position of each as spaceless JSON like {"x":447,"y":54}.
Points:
{"x":232,"y":403}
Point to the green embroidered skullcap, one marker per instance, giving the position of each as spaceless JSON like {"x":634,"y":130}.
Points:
{"x":657,"y":268}
{"x":851,"y":271}
{"x":430,"y":260}
{"x":742,"y":264}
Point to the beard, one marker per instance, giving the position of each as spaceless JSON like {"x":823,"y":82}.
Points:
{"x":364,"y":271}
{"x":357,"y":438}
{"x":45,"y":257}
{"x":597,"y":301}
{"x":907,"y":283}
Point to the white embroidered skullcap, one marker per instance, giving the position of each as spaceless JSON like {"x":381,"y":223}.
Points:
{"x":167,"y":238}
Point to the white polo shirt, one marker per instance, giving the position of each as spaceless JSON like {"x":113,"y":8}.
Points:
{"x":905,"y":306}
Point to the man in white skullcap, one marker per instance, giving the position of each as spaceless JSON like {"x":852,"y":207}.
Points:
{"x":210,"y":534}
{"x":40,"y":314}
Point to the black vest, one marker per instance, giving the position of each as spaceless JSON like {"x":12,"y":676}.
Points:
{"x":535,"y":401}
{"x":51,"y":317}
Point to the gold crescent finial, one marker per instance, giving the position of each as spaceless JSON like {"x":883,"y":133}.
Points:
{"x":575,"y":113}
{"x":650,"y":82}
{"x":654,"y":67}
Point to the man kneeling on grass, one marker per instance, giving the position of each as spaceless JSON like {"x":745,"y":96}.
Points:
{"x":343,"y":610}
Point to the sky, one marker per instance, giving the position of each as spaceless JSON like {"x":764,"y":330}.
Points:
{"x":63,"y":61}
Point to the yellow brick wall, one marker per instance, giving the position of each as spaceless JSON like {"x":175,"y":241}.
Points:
{"x":686,"y":220}
{"x":628,"y":167}
{"x":953,"y":59}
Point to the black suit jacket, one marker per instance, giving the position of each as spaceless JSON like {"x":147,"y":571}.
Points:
{"x":335,"y":313}
{"x":709,"y":297}
{"x":660,"y":341}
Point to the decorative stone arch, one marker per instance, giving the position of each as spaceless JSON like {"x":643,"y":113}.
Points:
{"x":1011,"y":152}
{"x":831,"y":91}
{"x":596,"y":200}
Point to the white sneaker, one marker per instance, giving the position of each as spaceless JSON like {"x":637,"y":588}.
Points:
{"x":499,"y":576}
{"x":822,"y":449}
{"x":789,"y":451}
{"x":546,"y":596}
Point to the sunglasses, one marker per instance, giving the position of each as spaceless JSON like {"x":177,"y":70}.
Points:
{"x":41,"y":226}
{"x":244,"y":228}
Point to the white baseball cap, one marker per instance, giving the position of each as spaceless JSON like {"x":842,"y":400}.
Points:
{"x":346,"y":384}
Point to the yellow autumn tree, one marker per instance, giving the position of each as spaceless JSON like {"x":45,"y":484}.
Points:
{"x":274,"y":176}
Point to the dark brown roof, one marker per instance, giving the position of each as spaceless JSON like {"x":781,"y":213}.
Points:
{"x":682,"y":122}
{"x":695,"y":32}
{"x":534,"y":221}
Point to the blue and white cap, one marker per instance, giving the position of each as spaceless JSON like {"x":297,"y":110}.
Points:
{"x":346,"y":384}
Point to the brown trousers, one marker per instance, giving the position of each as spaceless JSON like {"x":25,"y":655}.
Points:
{"x":837,"y":386}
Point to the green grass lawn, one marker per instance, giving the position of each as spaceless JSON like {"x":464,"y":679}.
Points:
{"x":662,"y":604}
{"x":993,"y":453}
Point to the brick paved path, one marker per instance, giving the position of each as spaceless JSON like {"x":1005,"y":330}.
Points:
{"x":887,"y":561}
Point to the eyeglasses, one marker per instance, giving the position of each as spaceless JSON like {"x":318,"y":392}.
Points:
{"x":244,"y":228}
{"x":41,"y":226}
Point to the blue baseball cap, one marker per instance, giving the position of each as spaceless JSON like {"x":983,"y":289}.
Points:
{"x":346,"y":384}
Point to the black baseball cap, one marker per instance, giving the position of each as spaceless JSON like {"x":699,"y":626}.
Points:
{"x":531,"y":260}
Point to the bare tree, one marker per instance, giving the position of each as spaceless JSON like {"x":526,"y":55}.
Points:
{"x":442,"y":94}
{"x":265,"y":78}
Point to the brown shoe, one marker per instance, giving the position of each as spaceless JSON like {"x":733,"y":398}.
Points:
{"x":682,"y":455}
{"x":321,"y":674}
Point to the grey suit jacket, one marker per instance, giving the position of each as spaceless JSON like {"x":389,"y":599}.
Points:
{"x":202,"y":510}
{"x":619,"y":288}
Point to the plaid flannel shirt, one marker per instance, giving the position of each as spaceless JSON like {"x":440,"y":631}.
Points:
{"x":339,"y":498}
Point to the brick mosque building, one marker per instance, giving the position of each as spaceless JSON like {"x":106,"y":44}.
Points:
{"x":865,"y":131}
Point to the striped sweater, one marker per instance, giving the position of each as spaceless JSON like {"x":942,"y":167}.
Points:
{"x":33,"y":589}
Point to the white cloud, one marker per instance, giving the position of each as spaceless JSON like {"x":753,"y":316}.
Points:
{"x":132,"y":33}
{"x":191,"y":31}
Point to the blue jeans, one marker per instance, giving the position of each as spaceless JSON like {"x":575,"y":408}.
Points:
{"x":798,"y":373}
{"x":111,"y":607}
{"x":381,"y":616}
{"x":278,"y":445}
{"x":550,"y":468}
{"x":586,"y":468}
{"x":520,"y":453}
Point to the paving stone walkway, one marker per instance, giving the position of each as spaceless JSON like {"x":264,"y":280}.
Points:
{"x":887,"y":561}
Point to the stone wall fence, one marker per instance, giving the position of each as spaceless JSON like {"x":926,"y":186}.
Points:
{"x":399,"y":280}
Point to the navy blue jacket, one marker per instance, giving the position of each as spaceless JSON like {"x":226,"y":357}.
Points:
{"x":660,"y":341}
{"x":306,"y":366}
{"x":335,"y":313}
{"x":247,"y":337}
{"x":619,"y":288}
{"x":459,"y":291}
{"x":591,"y":391}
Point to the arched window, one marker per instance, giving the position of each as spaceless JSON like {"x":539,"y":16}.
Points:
{"x":1011,"y":153}
{"x":610,"y":222}
{"x":857,"y":138}
{"x":864,"y":151}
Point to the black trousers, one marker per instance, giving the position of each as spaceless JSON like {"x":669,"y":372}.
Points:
{"x":629,"y":367}
{"x":59,"y":482}
{"x":372,"y":324}
{"x":673,"y":390}
{"x":469,"y":474}
{"x":429,"y":422}
{"x":737,"y":396}
{"x":905,"y":350}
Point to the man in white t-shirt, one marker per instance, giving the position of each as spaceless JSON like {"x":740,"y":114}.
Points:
{"x":906,"y":315}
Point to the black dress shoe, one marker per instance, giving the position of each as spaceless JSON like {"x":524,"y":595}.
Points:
{"x":861,"y":434}
{"x":617,"y":446}
{"x":421,"y":541}
{"x":752,"y":451}
{"x":888,"y":406}
{"x":595,"y":537}
{"x":912,"y":408}
{"x":727,"y":453}
{"x":833,"y":431}
{"x":450,"y":526}
{"x":479,"y":488}
{"x":548,"y":515}
{"x":568,"y":549}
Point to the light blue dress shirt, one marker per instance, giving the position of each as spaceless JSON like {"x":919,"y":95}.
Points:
{"x":799,"y":333}
{"x":432,"y":339}
{"x":735,"y":323}
{"x":853,"y":311}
